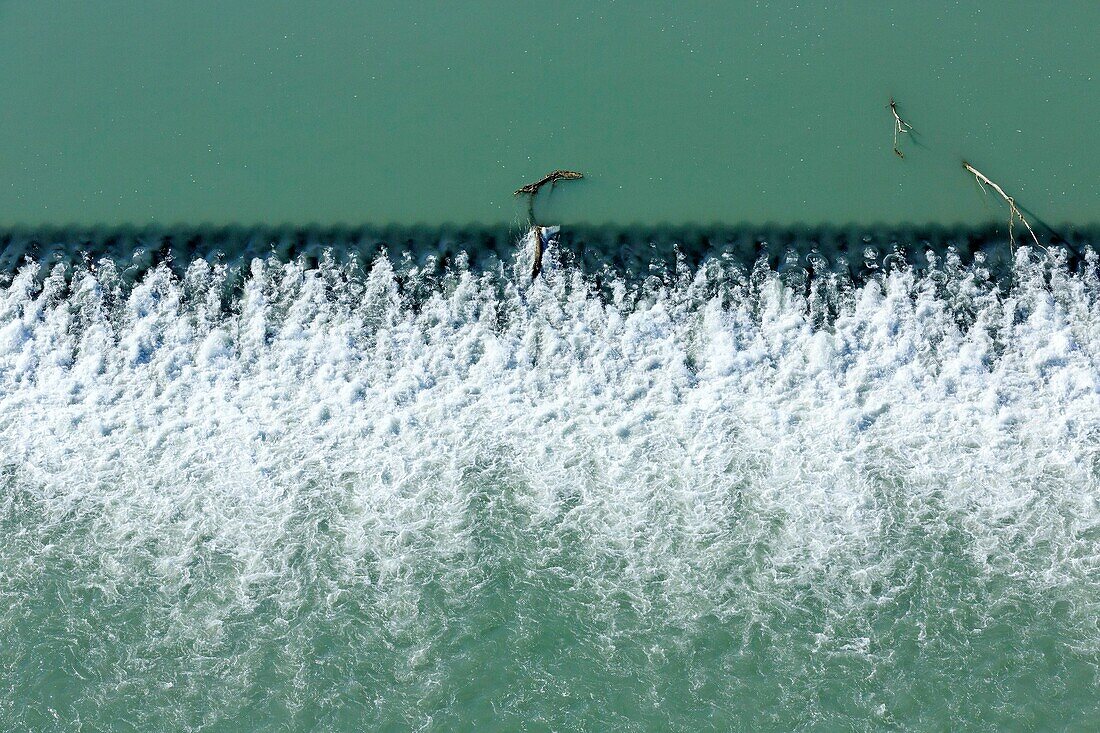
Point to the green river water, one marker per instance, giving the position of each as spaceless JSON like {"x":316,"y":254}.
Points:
{"x":257,"y":493}
{"x":380,"y":112}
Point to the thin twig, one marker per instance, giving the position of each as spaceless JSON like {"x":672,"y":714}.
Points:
{"x":900,"y":127}
{"x":1013,"y":210}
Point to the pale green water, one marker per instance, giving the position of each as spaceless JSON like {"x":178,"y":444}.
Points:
{"x":258,"y":112}
{"x":324,"y":497}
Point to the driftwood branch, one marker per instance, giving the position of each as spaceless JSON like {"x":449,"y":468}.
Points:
{"x":900,"y":127}
{"x":531,"y":190}
{"x":1013,"y":210}
{"x":536,"y":266}
{"x":551,"y":178}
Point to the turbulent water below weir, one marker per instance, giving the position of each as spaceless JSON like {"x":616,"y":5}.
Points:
{"x":336,"y":498}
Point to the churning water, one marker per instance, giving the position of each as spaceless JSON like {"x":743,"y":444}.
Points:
{"x":330,"y":497}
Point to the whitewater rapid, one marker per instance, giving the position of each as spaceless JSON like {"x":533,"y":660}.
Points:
{"x":722,"y":446}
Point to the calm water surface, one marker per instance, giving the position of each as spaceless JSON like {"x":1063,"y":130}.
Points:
{"x":273,"y":112}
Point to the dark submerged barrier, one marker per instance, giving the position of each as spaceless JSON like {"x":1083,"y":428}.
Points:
{"x":630,"y":252}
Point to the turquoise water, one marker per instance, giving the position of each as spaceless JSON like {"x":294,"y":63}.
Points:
{"x":264,"y":113}
{"x":772,"y":467}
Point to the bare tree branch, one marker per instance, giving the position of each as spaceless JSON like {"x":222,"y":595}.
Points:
{"x":552,"y":178}
{"x":1013,"y":210}
{"x":531,"y":190}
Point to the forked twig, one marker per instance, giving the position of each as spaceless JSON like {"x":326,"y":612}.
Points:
{"x":900,"y":127}
{"x":1013,"y":210}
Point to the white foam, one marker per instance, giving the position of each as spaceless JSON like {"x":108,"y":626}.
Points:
{"x":703,"y":440}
